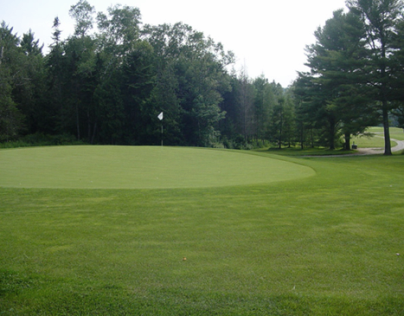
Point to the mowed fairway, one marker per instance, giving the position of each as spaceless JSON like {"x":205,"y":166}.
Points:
{"x":329,"y":242}
{"x":124,"y":167}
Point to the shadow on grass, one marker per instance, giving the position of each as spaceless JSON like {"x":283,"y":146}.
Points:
{"x":297,"y":151}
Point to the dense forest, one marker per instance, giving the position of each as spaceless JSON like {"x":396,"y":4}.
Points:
{"x":108,"y":82}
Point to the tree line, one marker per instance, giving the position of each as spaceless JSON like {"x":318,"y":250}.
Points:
{"x":108,"y":86}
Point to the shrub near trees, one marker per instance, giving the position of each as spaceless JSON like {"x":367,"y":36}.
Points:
{"x":108,"y":81}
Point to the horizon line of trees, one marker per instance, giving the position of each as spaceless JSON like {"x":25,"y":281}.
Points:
{"x":108,"y":86}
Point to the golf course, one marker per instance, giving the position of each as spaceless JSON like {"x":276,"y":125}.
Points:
{"x":142,"y":167}
{"x":141,"y":230}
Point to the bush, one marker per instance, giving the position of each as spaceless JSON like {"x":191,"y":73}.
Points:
{"x":239,"y":142}
{"x":260,"y":143}
{"x":40,"y":139}
{"x":217,"y":145}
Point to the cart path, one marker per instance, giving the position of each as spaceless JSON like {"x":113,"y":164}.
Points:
{"x":375,"y":151}
{"x":367,"y":151}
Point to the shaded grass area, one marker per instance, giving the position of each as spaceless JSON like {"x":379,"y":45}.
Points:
{"x":325,"y":245}
{"x":297,"y":151}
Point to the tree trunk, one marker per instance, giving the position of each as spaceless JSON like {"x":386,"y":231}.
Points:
{"x":301,"y":137}
{"x":332,"y":134}
{"x":387,"y":145}
{"x":347,"y":141}
{"x":312,"y":138}
{"x":1,"y":53}
{"x":280,"y":133}
{"x":94,"y":131}
{"x":77,"y":121}
{"x":88,"y":126}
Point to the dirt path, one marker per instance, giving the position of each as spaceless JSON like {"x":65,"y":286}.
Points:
{"x":400,"y":145}
{"x":375,"y":151}
{"x":368,"y":151}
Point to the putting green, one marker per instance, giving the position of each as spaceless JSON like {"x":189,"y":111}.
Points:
{"x":127,"y":167}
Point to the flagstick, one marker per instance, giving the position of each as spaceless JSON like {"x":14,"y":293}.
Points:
{"x":160,"y":117}
{"x":161,"y":135}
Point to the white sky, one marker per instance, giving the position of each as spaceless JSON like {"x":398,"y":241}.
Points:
{"x":268,"y":37}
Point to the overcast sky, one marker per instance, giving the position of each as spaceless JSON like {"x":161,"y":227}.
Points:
{"x":268,"y":37}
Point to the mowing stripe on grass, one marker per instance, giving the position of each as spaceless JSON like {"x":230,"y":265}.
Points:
{"x":128,"y":167}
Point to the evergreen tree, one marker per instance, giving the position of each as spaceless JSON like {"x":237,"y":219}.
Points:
{"x":246,"y":103}
{"x":55,"y":67}
{"x":138,"y":75}
{"x":381,"y":18}
{"x":261,"y":107}
{"x":31,"y":95}
{"x":11,"y":75}
{"x":339,"y":72}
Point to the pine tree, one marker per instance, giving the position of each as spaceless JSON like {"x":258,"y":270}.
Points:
{"x":381,"y":18}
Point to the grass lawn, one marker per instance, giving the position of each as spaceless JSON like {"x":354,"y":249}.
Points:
{"x":327,"y":244}
{"x":395,"y":132}
{"x":376,"y":141}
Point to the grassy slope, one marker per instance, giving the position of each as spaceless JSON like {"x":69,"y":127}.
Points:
{"x":325,"y":245}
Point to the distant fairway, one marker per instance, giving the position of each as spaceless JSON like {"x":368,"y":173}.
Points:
{"x":128,"y":167}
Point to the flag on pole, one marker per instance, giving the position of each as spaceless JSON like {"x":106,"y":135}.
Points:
{"x":160,"y":116}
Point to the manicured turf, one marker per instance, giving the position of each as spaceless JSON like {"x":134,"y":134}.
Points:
{"x":329,"y":244}
{"x":125,"y":167}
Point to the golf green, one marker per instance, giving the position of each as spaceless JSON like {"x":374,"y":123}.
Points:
{"x":137,"y":167}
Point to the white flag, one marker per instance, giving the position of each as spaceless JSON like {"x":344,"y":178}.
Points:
{"x":160,"y":116}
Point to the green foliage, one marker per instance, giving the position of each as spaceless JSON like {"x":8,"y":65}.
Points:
{"x":334,"y":93}
{"x":191,"y":80}
{"x":10,"y":117}
{"x":82,"y":12}
{"x":11,"y":59}
{"x":40,"y":139}
{"x":119,"y":30}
